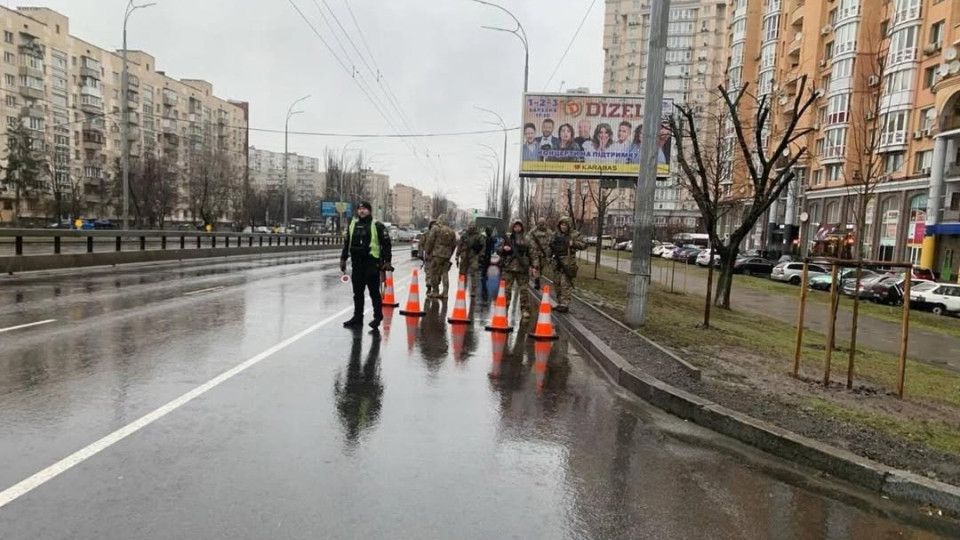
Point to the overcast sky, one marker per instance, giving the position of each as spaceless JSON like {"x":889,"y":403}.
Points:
{"x":433,"y":55}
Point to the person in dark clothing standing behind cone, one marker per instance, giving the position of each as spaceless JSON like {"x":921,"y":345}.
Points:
{"x":517,"y":262}
{"x":539,"y":243}
{"x":367,"y":245}
{"x":439,"y":246}
{"x":563,"y":248}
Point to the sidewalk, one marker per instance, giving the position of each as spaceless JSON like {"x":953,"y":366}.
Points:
{"x":923,"y":346}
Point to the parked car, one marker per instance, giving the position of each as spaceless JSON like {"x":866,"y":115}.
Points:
{"x":105,"y":224}
{"x":703,"y":259}
{"x":940,"y":298}
{"x":62,"y":224}
{"x":822,"y":282}
{"x":415,"y":246}
{"x":920,"y":272}
{"x":629,"y":246}
{"x":659,"y":249}
{"x":622,"y":246}
{"x":672,"y":254}
{"x":865,"y":292}
{"x":753,"y":265}
{"x":792,"y":272}
{"x":890,"y":291}
{"x":607,"y":242}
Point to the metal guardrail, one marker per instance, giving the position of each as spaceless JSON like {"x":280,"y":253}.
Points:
{"x":43,"y":249}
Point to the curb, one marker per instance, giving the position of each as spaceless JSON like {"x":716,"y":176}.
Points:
{"x":881,"y":479}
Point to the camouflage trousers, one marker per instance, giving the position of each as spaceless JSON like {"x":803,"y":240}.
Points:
{"x":438,"y":272}
{"x":522,"y":281}
{"x":564,"y":289}
{"x":470,"y":267}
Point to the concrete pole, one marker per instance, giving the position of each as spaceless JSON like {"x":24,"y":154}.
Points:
{"x":286,"y":158}
{"x":647,"y":177}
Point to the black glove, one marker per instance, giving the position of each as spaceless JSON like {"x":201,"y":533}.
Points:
{"x":343,"y":266}
{"x":388,"y":267}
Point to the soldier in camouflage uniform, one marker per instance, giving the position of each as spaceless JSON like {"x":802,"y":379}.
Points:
{"x":425,"y":267}
{"x":440,"y":245}
{"x":539,"y":240}
{"x":469,"y":251}
{"x":563,"y":250}
{"x":516,"y":264}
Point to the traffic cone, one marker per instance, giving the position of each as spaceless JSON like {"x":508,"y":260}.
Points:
{"x":413,"y":301}
{"x":541,"y":351}
{"x":388,"y":298}
{"x":460,"y":308}
{"x":499,"y":322}
{"x":499,"y":345}
{"x":459,"y":333}
{"x":544,"y":330}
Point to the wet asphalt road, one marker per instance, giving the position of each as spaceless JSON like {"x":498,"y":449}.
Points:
{"x":420,"y":431}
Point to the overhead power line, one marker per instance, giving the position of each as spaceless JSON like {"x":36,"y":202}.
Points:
{"x":569,"y":45}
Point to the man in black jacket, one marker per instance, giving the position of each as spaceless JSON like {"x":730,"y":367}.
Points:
{"x":367,"y":245}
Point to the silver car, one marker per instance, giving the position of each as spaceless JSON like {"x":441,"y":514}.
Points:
{"x":792,"y":272}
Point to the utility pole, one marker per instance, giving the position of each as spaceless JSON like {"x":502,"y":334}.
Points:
{"x":125,"y":115}
{"x":637,"y":293}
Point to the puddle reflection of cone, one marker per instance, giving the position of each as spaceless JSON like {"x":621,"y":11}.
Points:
{"x":499,"y":321}
{"x":413,"y":326}
{"x":541,"y":351}
{"x":499,"y":340}
{"x":413,"y":301}
{"x":389,"y":300}
{"x":387,"y":321}
{"x":544,"y":329}
{"x":459,"y":316}
{"x":459,"y":333}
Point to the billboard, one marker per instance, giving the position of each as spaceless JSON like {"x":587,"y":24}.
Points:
{"x":334,"y":209}
{"x":587,"y":135}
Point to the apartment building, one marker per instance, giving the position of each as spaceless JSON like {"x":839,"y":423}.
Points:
{"x":377,"y":189}
{"x":306,"y":182}
{"x":66,"y":92}
{"x":882,"y":129}
{"x":696,"y":60}
{"x":404,"y":202}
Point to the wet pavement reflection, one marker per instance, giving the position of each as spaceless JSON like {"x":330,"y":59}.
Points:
{"x":422,"y":430}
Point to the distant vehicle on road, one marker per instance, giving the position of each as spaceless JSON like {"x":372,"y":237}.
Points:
{"x":415,"y":246}
{"x":792,"y":272}
{"x":659,"y":250}
{"x":889,"y":291}
{"x":63,"y":224}
{"x":102,"y":224}
{"x":703,"y":259}
{"x":822,"y":282}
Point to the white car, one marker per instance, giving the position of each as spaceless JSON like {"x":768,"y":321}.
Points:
{"x":659,"y":249}
{"x":703,"y":259}
{"x":792,"y":272}
{"x":940,"y":298}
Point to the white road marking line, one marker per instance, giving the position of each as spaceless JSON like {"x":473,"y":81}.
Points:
{"x":201,"y":291}
{"x":20,"y":489}
{"x":22,"y":326}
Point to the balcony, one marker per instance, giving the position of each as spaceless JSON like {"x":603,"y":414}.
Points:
{"x":170,"y":100}
{"x":134,"y":117}
{"x":94,"y":126}
{"x":846,"y":13}
{"x":772,"y":7}
{"x":833,"y":153}
{"x":909,"y":14}
{"x":96,"y":91}
{"x":796,"y":18}
{"x":892,"y":139}
{"x":90,"y":72}
{"x":33,"y":110}
{"x":793,"y":48}
{"x":908,"y":54}
{"x":133,"y":81}
{"x":93,"y":140}
{"x":133,"y":100}
{"x":91,"y":104}
{"x":168,"y":126}
{"x":740,"y":13}
{"x":31,"y":92}
{"x":32,"y":71}
{"x":133,"y":134}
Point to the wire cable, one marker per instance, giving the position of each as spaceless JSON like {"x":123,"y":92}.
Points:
{"x":569,"y":45}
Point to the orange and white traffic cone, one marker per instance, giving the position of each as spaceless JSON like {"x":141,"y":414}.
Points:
{"x":460,"y":308}
{"x":541,"y":351}
{"x":413,"y":301}
{"x":499,"y":321}
{"x":544,"y":330}
{"x":499,"y":345}
{"x":388,"y":297}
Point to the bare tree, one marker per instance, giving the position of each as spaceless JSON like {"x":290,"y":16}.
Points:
{"x":508,"y":197}
{"x":25,"y":168}
{"x":577,"y":203}
{"x":766,"y":145}
{"x":705,"y":160}
{"x":211,"y":178}
{"x":603,"y":197}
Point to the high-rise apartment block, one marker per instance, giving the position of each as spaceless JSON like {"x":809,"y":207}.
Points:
{"x":66,"y":92}
{"x":306,"y":182}
{"x":696,"y":62}
{"x":886,"y":73}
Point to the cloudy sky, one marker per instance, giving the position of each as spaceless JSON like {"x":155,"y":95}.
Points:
{"x":434,"y":58}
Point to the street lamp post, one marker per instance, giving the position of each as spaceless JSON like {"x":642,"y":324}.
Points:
{"x":125,"y":115}
{"x":522,"y":36}
{"x":503,"y":126}
{"x":286,"y":164}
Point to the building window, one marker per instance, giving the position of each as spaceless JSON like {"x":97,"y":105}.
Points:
{"x":930,"y":76}
{"x":927,"y":118}
{"x":834,"y":173}
{"x":11,"y":80}
{"x":838,"y":108}
{"x":35,"y":124}
{"x":842,"y":69}
{"x":922,"y":161}
{"x":11,"y":101}
{"x":833,"y":212}
{"x":12,"y":121}
{"x":8,"y":36}
{"x":893,"y":162}
{"x":899,"y":81}
{"x":936,"y":33}
{"x":9,"y":57}
{"x":817,"y":177}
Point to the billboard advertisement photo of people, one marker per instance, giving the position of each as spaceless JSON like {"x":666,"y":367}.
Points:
{"x":587,"y":135}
